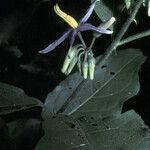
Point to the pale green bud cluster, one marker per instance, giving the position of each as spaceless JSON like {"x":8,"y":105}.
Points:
{"x":70,"y":60}
{"x":85,"y":60}
{"x":88,"y":67}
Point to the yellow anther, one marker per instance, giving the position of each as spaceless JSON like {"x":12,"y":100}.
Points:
{"x":69,"y":19}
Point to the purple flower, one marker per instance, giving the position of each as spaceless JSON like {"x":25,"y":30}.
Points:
{"x":76,"y":27}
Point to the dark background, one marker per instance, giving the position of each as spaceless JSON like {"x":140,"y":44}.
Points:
{"x":27,"y":26}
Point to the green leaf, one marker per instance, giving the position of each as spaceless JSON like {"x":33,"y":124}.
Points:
{"x":104,"y":9}
{"x":95,"y":120}
{"x":114,"y":83}
{"x":13,"y":99}
{"x":125,"y":131}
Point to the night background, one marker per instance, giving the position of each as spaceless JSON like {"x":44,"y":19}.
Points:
{"x":29,"y":26}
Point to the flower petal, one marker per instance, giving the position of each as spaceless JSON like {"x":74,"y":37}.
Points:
{"x":88,"y":13}
{"x":88,"y":26}
{"x":53,"y":45}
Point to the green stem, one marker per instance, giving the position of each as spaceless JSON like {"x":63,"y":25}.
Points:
{"x":121,"y":33}
{"x":81,"y":38}
{"x":92,"y":43}
{"x":134,"y":37}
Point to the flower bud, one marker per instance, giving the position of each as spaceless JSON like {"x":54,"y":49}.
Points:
{"x":79,"y":66}
{"x":85,"y":69}
{"x":92,"y":63}
{"x":72,"y":64}
{"x":105,"y":26}
{"x":148,"y":8}
{"x":143,"y":3}
{"x":68,"y":59}
{"x":128,"y":3}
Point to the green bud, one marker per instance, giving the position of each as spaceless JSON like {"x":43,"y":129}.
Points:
{"x":72,"y":64}
{"x":148,"y":8}
{"x":79,"y":62}
{"x":92,"y":63}
{"x":104,"y":25}
{"x":68,"y":59}
{"x":79,"y":66}
{"x":143,"y":3}
{"x":85,"y":70}
{"x":128,"y":3}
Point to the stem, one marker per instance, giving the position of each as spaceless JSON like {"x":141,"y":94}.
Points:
{"x":134,"y":37}
{"x":81,"y":38}
{"x":121,"y":33}
{"x":92,"y":43}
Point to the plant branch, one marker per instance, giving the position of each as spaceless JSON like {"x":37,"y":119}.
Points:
{"x":121,"y":33}
{"x":134,"y":37}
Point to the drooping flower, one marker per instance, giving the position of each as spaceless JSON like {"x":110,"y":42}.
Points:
{"x":76,"y":27}
{"x":84,"y":57}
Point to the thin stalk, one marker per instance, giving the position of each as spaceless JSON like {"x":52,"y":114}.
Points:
{"x":121,"y":33}
{"x":92,"y":43}
{"x":81,"y":38}
{"x":134,"y":37}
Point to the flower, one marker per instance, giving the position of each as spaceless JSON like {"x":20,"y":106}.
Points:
{"x":76,"y":27}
